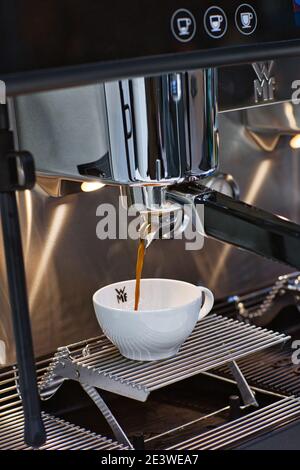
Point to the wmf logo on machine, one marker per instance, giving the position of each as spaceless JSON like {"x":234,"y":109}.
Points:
{"x":265,"y":83}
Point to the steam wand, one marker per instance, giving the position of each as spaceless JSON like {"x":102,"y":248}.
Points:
{"x":17,"y":174}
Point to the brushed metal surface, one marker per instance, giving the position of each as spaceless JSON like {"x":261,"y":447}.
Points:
{"x":237,"y":89}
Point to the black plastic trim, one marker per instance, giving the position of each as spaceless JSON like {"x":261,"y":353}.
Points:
{"x":43,"y":80}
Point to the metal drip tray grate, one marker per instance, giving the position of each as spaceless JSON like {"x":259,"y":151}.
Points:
{"x":215,"y":341}
{"x":61,"y":435}
{"x":256,"y":423}
{"x":270,"y":370}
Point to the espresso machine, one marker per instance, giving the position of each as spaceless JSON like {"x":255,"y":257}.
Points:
{"x":178,"y":105}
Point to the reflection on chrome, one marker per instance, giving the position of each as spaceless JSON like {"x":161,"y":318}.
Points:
{"x":87,"y":187}
{"x":295,"y":142}
{"x":57,"y":224}
{"x":258,"y":181}
{"x":28,"y":210}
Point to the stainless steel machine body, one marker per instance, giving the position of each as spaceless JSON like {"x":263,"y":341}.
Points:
{"x":56,"y":227}
{"x":198,"y":115}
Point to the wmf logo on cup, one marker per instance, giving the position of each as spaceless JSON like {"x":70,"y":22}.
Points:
{"x":125,"y":223}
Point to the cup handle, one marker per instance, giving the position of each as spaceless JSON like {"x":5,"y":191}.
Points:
{"x":208,"y":303}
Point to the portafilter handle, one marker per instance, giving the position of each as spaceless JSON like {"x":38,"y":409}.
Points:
{"x":242,"y":225}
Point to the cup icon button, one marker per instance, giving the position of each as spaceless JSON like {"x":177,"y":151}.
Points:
{"x":183,"y":25}
{"x":215,"y":22}
{"x":246,"y":19}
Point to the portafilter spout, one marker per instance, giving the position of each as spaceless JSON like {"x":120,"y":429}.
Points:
{"x":159,"y":218}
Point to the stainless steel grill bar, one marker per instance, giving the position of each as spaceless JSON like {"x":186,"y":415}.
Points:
{"x":67,"y":440}
{"x":39,"y":363}
{"x":9,"y":405}
{"x":12,"y":422}
{"x":264,"y":417}
{"x":16,"y":434}
{"x":9,"y":397}
{"x":16,"y":406}
{"x":215,"y":342}
{"x":13,"y":376}
{"x":256,"y":422}
{"x":73,"y":440}
{"x":186,"y":350}
{"x":8,"y":389}
{"x":100,"y":357}
{"x":282,"y":417}
{"x":273,"y":421}
{"x":272,"y":371}
{"x":231,"y":380}
{"x":13,"y":427}
{"x":61,"y":435}
{"x":15,"y":413}
{"x":204,"y":366}
{"x":220,"y":351}
{"x":199,"y":360}
{"x":71,"y":429}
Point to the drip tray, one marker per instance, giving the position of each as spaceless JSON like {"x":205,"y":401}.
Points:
{"x":167,"y":404}
{"x":269,"y":370}
{"x":256,"y":423}
{"x":61,"y":435}
{"x":173,"y":407}
{"x":192,"y":414}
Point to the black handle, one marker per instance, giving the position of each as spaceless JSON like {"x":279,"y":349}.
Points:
{"x":34,"y":431}
{"x":249,"y":228}
{"x":17,"y":173}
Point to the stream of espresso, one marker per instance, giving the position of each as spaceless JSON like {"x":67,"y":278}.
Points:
{"x":139,"y":270}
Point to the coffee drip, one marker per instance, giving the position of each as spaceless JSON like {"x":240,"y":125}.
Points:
{"x":147,"y":232}
{"x":154,"y":226}
{"x":139,"y":270}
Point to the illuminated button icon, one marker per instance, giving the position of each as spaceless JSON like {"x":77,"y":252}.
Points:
{"x":215,"y":22}
{"x":183,"y":25}
{"x":246,"y":19}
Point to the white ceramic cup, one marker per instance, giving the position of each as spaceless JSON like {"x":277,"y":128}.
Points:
{"x":167,"y":315}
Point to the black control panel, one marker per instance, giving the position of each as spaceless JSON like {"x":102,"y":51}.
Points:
{"x":48,"y":43}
